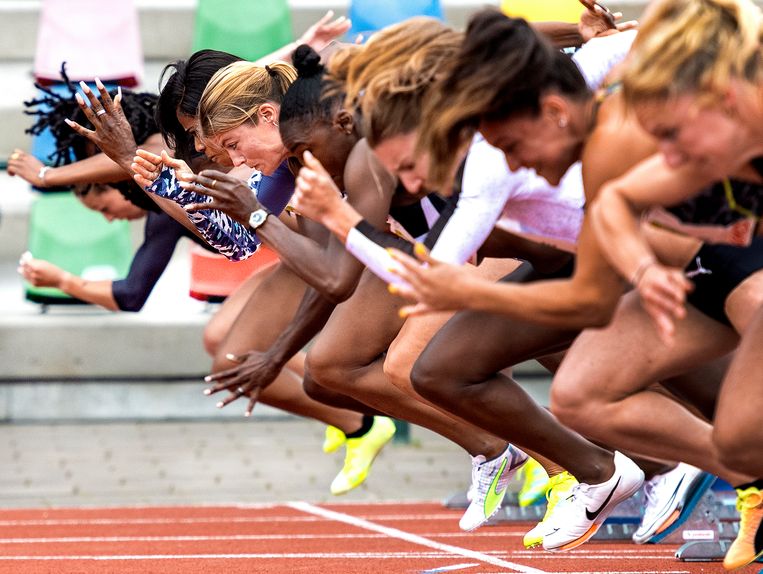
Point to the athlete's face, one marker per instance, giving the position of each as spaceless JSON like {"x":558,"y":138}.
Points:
{"x":398,"y":156}
{"x":214,"y":153}
{"x":329,"y":143}
{"x":544,"y":142}
{"x":257,"y":146}
{"x":710,"y":136}
{"x":111,"y":204}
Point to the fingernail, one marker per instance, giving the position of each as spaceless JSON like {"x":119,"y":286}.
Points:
{"x":99,"y":83}
{"x":68,"y":122}
{"x":248,"y":414}
{"x":84,"y":86}
{"x":79,"y":99}
{"x":207,"y":392}
{"x":420,"y":249}
{"x":208,"y":378}
{"x":219,"y":405}
{"x":308,"y":155}
{"x":402,"y":313}
{"x":119,"y":92}
{"x":392,"y":289}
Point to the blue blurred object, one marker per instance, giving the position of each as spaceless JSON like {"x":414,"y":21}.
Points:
{"x":43,"y":144}
{"x":368,"y":16}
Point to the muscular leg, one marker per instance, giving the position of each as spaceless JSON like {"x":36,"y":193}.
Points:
{"x":460,"y":371}
{"x":347,"y":357}
{"x":268,"y":310}
{"x":601,"y":389}
{"x":221,"y":322}
{"x":738,"y":431}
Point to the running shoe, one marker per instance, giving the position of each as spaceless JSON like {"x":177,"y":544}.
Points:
{"x":333,"y":440}
{"x":490,"y":479}
{"x":670,"y":499}
{"x":534,"y":483}
{"x":361,"y":453}
{"x":558,"y":488}
{"x":748,"y":545}
{"x":581,"y":514}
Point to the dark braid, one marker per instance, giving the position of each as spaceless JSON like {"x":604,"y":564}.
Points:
{"x":52,"y":109}
{"x":313,"y":97}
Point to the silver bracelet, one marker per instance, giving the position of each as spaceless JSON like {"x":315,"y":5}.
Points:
{"x":41,"y":174}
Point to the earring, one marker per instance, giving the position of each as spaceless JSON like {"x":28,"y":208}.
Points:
{"x":562,"y":122}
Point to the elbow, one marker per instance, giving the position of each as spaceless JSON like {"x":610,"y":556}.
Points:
{"x":338,"y":292}
{"x":129,"y":304}
{"x":596,"y":310}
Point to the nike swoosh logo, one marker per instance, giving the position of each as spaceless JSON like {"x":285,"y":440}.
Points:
{"x":592,"y":515}
{"x":675,"y":493}
{"x":493,"y":498}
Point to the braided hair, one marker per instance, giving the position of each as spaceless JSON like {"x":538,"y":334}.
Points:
{"x":52,"y":109}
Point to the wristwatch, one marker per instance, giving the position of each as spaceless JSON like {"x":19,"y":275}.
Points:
{"x":257,"y":218}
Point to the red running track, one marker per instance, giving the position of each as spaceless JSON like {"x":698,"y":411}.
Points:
{"x":298,"y":537}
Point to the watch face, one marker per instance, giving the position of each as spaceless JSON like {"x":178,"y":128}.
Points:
{"x":257,"y":218}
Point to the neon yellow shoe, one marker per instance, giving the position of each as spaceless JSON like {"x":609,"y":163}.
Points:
{"x":361,"y":453}
{"x":534,"y":483}
{"x":748,"y":545}
{"x":557,"y":489}
{"x":333,"y":440}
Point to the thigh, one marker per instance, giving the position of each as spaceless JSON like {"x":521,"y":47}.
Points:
{"x":742,"y":302}
{"x":627,"y":356}
{"x":473,"y":346}
{"x":223,"y":319}
{"x":266,"y":313}
{"x":360,"y":329}
{"x":418,"y":331}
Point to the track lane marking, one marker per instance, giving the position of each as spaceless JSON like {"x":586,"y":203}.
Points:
{"x":412,"y":538}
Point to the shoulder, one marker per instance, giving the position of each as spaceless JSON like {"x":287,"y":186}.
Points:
{"x":364,"y":171}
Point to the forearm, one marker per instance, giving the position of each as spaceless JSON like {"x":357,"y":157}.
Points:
{"x":311,"y":316}
{"x":561,"y":34}
{"x":96,"y":292}
{"x":617,"y":229}
{"x":96,"y":169}
{"x":555,"y":302}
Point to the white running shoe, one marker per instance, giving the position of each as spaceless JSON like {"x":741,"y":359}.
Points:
{"x":490,"y":480}
{"x":579,"y":517}
{"x":667,"y":497}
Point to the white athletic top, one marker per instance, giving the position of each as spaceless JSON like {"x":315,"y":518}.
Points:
{"x":521,"y":201}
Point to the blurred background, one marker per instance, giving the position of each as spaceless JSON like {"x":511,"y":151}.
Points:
{"x":99,"y":407}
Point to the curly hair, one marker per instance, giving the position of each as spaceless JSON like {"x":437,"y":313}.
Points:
{"x":52,"y":109}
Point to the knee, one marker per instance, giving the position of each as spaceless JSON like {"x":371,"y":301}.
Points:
{"x":313,"y":389}
{"x":569,"y":404}
{"x":397,"y":370}
{"x":734,"y":450}
{"x":324,"y":370}
{"x":213,"y":338}
{"x":427,"y":381}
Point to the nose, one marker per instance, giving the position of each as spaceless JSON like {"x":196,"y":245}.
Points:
{"x":198,"y":144}
{"x":674,"y":157}
{"x":236,"y":158}
{"x":412,"y":183}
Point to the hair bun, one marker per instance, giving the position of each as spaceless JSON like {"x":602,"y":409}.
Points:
{"x":307,"y":62}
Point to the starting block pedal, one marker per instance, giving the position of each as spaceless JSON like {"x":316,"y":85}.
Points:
{"x":512,"y":514}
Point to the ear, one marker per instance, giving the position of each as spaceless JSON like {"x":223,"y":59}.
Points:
{"x":268,"y":113}
{"x":344,"y":121}
{"x":556,"y":109}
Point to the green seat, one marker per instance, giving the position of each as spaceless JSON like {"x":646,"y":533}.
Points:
{"x":245,"y":28}
{"x":77,"y":239}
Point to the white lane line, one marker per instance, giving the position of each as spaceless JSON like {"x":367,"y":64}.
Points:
{"x":291,"y":555}
{"x":450,"y":568}
{"x":201,"y":520}
{"x":223,"y":537}
{"x":412,"y":538}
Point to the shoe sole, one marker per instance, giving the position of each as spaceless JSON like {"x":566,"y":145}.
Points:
{"x":737,"y":567}
{"x":679,"y":516}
